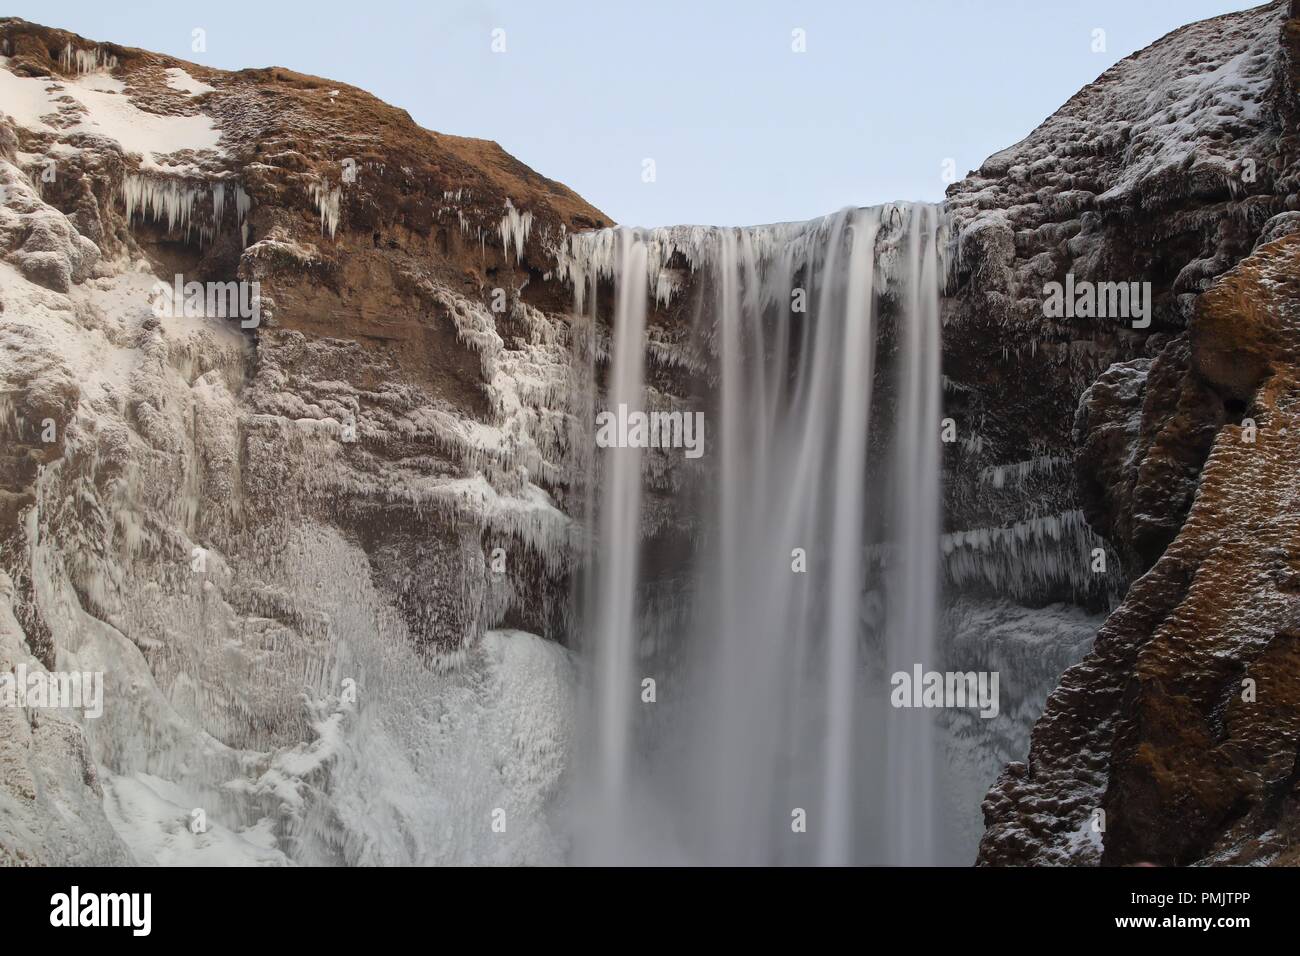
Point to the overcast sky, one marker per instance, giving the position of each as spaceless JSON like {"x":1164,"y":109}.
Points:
{"x":713,"y":97}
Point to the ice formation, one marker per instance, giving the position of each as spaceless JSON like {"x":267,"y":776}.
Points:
{"x":282,"y":698}
{"x":327,"y":199}
{"x":794,"y":247}
{"x":514,"y":229}
{"x":170,"y":200}
{"x":1029,"y":648}
{"x":1018,"y":472}
{"x":155,"y":199}
{"x":1030,"y":556}
{"x":86,"y":61}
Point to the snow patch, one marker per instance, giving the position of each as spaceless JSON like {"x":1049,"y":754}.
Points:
{"x":107,"y":112}
{"x":182,"y":82}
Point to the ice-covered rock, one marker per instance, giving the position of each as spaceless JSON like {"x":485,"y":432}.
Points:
{"x":299,"y":546}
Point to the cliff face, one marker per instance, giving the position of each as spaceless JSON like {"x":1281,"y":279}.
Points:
{"x":213,"y":513}
{"x":1174,"y":741}
{"x":1164,"y":170}
{"x":1182,"y":725}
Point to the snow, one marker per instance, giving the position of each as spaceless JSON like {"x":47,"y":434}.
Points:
{"x":149,"y":134}
{"x":412,"y":773}
{"x":154,"y":817}
{"x":101,"y":83}
{"x":182,"y":82}
{"x":1177,"y":118}
{"x":25,"y":99}
{"x":212,"y":700}
{"x":1176,"y":115}
{"x":48,"y":812}
{"x":110,"y":113}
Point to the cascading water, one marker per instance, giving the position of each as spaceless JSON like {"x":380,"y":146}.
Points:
{"x":809,"y":572}
{"x":910,"y":768}
{"x":617,"y":546}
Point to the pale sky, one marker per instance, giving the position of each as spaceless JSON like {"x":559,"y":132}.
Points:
{"x":740,"y":127}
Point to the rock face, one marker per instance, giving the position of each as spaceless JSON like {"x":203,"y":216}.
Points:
{"x":340,"y":490}
{"x":1175,"y":740}
{"x":1142,"y":432}
{"x":1164,"y":170}
{"x":1183,"y":724}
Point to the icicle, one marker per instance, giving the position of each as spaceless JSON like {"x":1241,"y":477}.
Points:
{"x":1019,"y":472}
{"x":218,"y":202}
{"x":158,"y":199}
{"x":169,"y":200}
{"x":86,"y":61}
{"x":796,"y":246}
{"x":328,"y":200}
{"x":514,"y":229}
{"x":1029,"y":556}
{"x":243,"y":203}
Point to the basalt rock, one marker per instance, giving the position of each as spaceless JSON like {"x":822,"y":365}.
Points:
{"x":1179,"y":732}
{"x":1159,"y":745}
{"x":1142,"y":432}
{"x":1168,"y":169}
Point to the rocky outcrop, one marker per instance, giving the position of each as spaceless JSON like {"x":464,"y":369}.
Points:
{"x":1166,"y":169}
{"x":1175,"y":741}
{"x":1141,"y":435}
{"x":381,"y":250}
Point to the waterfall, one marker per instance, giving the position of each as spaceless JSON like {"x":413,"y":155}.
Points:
{"x":846,"y":540}
{"x":911,"y":759}
{"x":618,"y":538}
{"x":737,"y":586}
